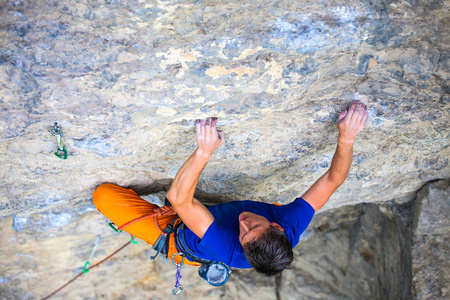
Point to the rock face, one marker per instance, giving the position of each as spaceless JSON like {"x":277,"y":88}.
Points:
{"x":125,"y":80}
{"x":357,"y":252}
{"x":366,"y":251}
{"x":431,"y":251}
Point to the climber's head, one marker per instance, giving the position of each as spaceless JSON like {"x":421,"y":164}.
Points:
{"x":265,"y":244}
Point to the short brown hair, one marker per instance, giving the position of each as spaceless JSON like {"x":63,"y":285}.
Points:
{"x":271,"y":253}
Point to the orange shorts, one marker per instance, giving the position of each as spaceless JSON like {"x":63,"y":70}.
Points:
{"x":121,"y":205}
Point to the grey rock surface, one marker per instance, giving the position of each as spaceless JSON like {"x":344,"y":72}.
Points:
{"x":125,"y":80}
{"x":354,"y":252}
{"x":431,"y":251}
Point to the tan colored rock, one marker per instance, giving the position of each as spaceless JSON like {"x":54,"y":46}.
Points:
{"x":125,"y":80}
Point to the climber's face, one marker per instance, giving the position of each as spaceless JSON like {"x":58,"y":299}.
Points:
{"x":252,"y":226}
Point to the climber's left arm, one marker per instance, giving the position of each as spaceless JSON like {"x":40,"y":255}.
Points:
{"x":350,"y":123}
{"x":181,"y":193}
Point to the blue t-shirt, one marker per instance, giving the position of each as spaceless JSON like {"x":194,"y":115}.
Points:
{"x":221,"y":240}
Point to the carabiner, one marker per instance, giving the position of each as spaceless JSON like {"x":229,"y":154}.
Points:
{"x":55,"y":130}
{"x":61,"y":153}
{"x":111,"y":224}
{"x":180,"y":254}
{"x":85,"y":271}
{"x":177,"y":290}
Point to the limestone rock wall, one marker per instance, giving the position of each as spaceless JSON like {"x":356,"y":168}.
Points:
{"x":126,"y":79}
{"x":355,"y":252}
{"x":431,"y":251}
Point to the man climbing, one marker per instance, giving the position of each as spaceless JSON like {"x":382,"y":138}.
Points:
{"x":240,"y":234}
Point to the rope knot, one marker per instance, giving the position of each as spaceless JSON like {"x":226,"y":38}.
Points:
{"x":158,"y":211}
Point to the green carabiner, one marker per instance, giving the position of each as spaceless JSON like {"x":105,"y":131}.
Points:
{"x":111,"y":224}
{"x":133,"y":241}
{"x":63,"y":154}
{"x":85,"y":271}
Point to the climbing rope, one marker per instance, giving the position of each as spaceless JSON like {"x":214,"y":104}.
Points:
{"x":157,"y":212}
{"x":88,"y":269}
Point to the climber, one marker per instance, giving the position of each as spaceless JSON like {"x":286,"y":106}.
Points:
{"x":241,"y":234}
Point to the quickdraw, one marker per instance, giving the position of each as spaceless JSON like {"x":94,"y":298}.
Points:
{"x":61,"y":152}
{"x":178,"y":287}
{"x":85,"y":268}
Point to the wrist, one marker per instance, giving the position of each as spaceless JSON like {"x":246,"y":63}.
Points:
{"x":202,"y":154}
{"x":346,"y":140}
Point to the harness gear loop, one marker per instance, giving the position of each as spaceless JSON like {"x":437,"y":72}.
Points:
{"x":61,"y":152}
{"x":162,"y":243}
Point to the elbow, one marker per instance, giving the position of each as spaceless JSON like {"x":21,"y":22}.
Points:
{"x":172,"y":196}
{"x":175,"y":198}
{"x":336,"y":180}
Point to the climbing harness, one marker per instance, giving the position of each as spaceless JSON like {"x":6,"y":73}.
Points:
{"x":178,"y":287}
{"x":85,"y":270}
{"x":213,"y":272}
{"x":162,"y":243}
{"x":61,"y":152}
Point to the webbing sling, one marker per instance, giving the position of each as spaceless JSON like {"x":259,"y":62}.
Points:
{"x":162,"y":243}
